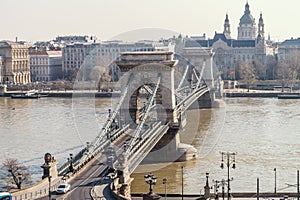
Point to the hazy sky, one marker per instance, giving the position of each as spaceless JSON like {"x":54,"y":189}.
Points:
{"x":36,"y":20}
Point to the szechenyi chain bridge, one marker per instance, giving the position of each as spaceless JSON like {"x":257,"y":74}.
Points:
{"x":156,"y":90}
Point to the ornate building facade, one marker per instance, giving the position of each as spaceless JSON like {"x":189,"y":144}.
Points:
{"x":16,"y":66}
{"x":249,"y":45}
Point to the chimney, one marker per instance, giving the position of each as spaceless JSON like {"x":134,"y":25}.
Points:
{"x":16,"y":39}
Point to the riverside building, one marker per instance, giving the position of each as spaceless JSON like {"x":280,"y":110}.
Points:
{"x":45,"y":65}
{"x":87,"y":55}
{"x":228,"y":52}
{"x":15,"y":62}
{"x":289,"y":48}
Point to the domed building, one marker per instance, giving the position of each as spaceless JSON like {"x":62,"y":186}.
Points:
{"x":247,"y":26}
{"x":249,"y":45}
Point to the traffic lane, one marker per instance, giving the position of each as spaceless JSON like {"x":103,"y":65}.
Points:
{"x":82,"y":184}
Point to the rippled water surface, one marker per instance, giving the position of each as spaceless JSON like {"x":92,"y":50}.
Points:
{"x":265,"y":133}
{"x":29,"y":128}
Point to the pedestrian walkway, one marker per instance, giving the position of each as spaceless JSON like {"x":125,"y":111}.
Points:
{"x":102,"y":191}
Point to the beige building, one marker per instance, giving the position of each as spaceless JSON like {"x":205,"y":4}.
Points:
{"x":16,"y":66}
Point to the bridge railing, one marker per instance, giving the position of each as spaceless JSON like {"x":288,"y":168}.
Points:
{"x":77,"y":161}
{"x":142,"y":149}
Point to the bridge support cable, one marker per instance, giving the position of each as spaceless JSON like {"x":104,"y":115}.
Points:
{"x":201,"y":75}
{"x":195,"y":73}
{"x":106,"y":128}
{"x":183,"y":77}
{"x":149,"y":90}
{"x":144,"y":117}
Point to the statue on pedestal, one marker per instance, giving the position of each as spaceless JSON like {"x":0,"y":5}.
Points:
{"x":49,"y":167}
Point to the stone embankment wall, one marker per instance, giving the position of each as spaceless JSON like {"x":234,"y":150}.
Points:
{"x":38,"y":190}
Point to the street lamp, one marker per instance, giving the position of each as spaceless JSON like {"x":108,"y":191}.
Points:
{"x":71,"y":169}
{"x":216,"y":186}
{"x":275,"y":180}
{"x":230,"y":159}
{"x":151,"y":180}
{"x":181,"y":182}
{"x":49,"y":179}
{"x":165,"y":183}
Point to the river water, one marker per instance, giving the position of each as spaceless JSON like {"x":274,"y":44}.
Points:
{"x":264,"y":132}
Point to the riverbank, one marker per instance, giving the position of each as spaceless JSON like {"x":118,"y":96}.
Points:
{"x":68,"y":93}
{"x":256,"y":93}
{"x":93,"y":93}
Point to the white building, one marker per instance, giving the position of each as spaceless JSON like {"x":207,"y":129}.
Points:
{"x":46,"y":65}
{"x":88,"y":55}
{"x":288,"y":48}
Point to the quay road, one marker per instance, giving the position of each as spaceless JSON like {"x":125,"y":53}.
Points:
{"x":83,"y":182}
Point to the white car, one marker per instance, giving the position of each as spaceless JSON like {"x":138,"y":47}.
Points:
{"x":63,"y":188}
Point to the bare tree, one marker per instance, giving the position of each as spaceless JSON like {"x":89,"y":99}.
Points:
{"x":96,"y":73}
{"x":17,"y":173}
{"x":288,"y":69}
{"x":248,"y":74}
{"x":271,"y":67}
{"x":259,"y":69}
{"x":100,"y":75}
{"x":294,"y":65}
{"x":104,"y":79}
{"x":238,"y":70}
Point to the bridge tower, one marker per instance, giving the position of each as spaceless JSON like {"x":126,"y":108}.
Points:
{"x":145,"y":69}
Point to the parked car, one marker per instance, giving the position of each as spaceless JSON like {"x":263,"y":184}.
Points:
{"x":63,"y":188}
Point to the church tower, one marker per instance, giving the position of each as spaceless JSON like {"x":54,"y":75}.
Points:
{"x":227,"y":28}
{"x":261,"y":26}
{"x":247,"y":26}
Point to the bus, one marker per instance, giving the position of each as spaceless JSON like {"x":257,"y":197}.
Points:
{"x":5,"y":196}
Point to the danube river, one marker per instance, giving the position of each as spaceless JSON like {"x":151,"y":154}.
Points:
{"x":264,"y":132}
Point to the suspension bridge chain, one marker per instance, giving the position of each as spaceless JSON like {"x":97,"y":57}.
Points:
{"x":140,"y":126}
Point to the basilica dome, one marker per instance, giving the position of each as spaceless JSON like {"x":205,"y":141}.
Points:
{"x":247,"y":18}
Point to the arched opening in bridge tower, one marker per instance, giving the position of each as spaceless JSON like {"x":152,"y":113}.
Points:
{"x":161,"y":108}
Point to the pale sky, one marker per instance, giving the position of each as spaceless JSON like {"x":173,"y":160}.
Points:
{"x":40,"y":20}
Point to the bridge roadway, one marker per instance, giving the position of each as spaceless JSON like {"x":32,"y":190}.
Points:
{"x":94,"y":173}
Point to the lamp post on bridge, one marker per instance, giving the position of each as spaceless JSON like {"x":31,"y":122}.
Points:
{"x":49,"y":179}
{"x":165,"y":183}
{"x":230,"y":159}
{"x":70,"y":160}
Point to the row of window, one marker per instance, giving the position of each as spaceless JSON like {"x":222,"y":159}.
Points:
{"x":39,"y":61}
{"x":19,"y":53}
{"x":245,"y":34}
